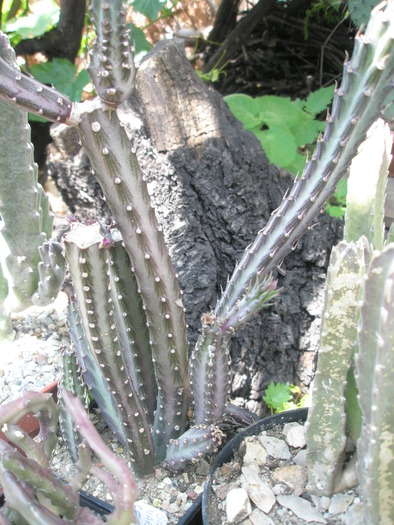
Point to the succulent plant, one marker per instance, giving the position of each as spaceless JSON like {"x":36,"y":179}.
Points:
{"x":129,"y":326}
{"x":33,"y":262}
{"x":357,"y":335}
{"x":34,"y":495}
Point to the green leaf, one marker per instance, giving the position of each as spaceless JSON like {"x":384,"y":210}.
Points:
{"x":43,"y":15}
{"x":245,"y":109}
{"x":141,"y":45}
{"x":278,"y":111}
{"x":319,"y":100}
{"x":306,"y":130}
{"x":149,"y":8}
{"x":279,"y":145}
{"x":63,"y":75}
{"x":276,"y":395}
{"x":297,"y":165}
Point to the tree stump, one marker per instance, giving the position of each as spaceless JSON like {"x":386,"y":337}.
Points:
{"x":213,"y":189}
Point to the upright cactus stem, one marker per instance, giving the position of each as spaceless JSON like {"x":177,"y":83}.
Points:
{"x":374,"y":375}
{"x":111,"y":59}
{"x":35,"y":263}
{"x":89,"y":270}
{"x":117,"y":170}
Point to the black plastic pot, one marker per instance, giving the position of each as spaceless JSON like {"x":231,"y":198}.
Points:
{"x":191,"y":517}
{"x":227,"y":452}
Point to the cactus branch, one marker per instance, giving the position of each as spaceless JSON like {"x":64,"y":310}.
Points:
{"x":111,"y":65}
{"x":358,"y":102}
{"x":116,"y":169}
{"x":27,"y":92}
{"x":374,"y":367}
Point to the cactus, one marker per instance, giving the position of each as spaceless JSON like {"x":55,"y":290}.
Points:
{"x":374,"y":368}
{"x":115,"y":274}
{"x":33,"y":494}
{"x":34,"y":262}
{"x":359,"y":274}
{"x":357,"y":103}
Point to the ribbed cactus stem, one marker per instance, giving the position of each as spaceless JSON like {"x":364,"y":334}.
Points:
{"x":88,"y":263}
{"x":111,"y":65}
{"x":27,"y":92}
{"x":325,"y":428}
{"x":71,"y":380}
{"x":59,"y":497}
{"x":374,"y":375}
{"x":35,"y":265}
{"x":367,"y":185}
{"x":358,"y":102}
{"x":116,"y":169}
{"x":93,"y":375}
{"x":209,"y":370}
{"x":133,"y":326}
{"x":194,"y":444}
{"x":51,"y":271}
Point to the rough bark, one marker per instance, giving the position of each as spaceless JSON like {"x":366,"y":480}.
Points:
{"x":213,"y":189}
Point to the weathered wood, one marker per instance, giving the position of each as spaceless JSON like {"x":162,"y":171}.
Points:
{"x":213,"y":189}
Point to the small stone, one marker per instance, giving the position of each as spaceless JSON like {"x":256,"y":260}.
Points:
{"x":257,"y":517}
{"x":302,"y":508}
{"x":255,"y":453}
{"x":262,"y":496}
{"x":238,"y":505}
{"x":295,"y":435}
{"x":251,"y":474}
{"x":301,"y":457}
{"x":275,"y":447}
{"x":340,"y":503}
{"x":221,"y":491}
{"x":295,"y":476}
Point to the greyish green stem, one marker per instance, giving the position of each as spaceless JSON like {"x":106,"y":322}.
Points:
{"x":374,"y":375}
{"x":117,"y":170}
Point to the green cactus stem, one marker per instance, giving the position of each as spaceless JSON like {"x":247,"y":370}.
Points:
{"x":194,"y":444}
{"x":93,"y":375}
{"x":116,"y":169}
{"x":111,"y":59}
{"x":325,"y":429}
{"x":33,"y":495}
{"x":88,"y":261}
{"x":34,"y":263}
{"x":366,"y":187}
{"x":209,"y":370}
{"x":374,"y":375}
{"x":27,"y":92}
{"x":6,"y":331}
{"x":358,"y":102}
{"x":71,"y":380}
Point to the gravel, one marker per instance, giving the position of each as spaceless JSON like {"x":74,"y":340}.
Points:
{"x":33,"y":360}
